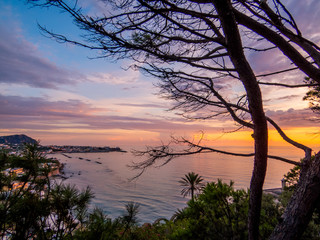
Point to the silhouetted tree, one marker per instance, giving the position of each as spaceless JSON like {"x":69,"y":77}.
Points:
{"x":129,"y":219}
{"x":198,"y":47}
{"x":313,"y":95}
{"x":192,"y":183}
{"x":68,"y":208}
{"x":20,"y":203}
{"x":33,"y":206}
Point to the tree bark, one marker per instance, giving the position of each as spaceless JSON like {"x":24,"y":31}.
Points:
{"x":247,"y":76}
{"x":302,"y":203}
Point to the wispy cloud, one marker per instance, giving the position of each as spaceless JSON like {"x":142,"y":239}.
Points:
{"x":21,"y":63}
{"x":293,"y":118}
{"x":115,"y":78}
{"x":144,"y":105}
{"x":39,"y":113}
{"x":37,"y":106}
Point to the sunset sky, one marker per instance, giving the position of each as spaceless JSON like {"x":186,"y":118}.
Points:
{"x":58,"y":94}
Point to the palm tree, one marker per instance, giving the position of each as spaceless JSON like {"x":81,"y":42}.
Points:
{"x":192,"y":183}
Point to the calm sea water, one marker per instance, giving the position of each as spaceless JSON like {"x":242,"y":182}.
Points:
{"x":157,"y":190}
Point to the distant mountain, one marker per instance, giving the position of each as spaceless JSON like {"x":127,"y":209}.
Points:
{"x":16,"y":139}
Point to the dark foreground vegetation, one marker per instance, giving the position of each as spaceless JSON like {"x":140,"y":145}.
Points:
{"x":38,"y":208}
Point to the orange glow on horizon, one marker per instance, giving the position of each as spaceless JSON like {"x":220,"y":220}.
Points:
{"x":309,"y":136}
{"x":81,"y":136}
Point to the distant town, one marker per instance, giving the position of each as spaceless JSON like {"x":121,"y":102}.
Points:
{"x":14,"y":147}
{"x":79,"y":149}
{"x":15,"y":144}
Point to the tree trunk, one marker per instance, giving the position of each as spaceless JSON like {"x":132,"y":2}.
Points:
{"x":299,"y":211}
{"x":247,"y":76}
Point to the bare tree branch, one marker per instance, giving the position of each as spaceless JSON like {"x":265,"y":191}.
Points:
{"x":166,"y":153}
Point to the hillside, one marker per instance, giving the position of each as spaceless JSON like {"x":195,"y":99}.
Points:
{"x":16,"y":139}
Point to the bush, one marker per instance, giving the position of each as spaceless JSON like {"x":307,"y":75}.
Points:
{"x":220,"y":212}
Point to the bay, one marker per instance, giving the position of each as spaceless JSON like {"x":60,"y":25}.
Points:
{"x":157,"y":190}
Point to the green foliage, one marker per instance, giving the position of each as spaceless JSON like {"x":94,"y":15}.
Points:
{"x":151,"y":232}
{"x":220,"y":212}
{"x":31,"y":206}
{"x":313,"y":95}
{"x":129,"y":220}
{"x":130,"y":217}
{"x":21,"y":206}
{"x":3,"y":158}
{"x":292,"y":177}
{"x":271,"y":211}
{"x":68,"y":208}
{"x":98,"y":226}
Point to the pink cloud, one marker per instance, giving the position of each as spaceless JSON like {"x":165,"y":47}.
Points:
{"x":294,"y":118}
{"x":39,"y":113}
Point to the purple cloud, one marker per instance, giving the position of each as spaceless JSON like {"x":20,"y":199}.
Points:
{"x":145,"y":105}
{"x":20,"y":63}
{"x":36,"y":106}
{"x":39,"y":113}
{"x":293,"y":118}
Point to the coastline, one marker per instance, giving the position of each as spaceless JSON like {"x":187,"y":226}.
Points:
{"x":53,"y":149}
